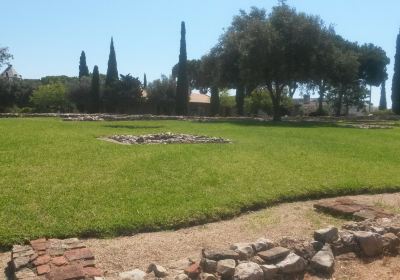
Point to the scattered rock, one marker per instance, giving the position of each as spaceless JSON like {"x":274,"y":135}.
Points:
{"x":326,"y":235}
{"x":166,"y":138}
{"x":135,"y":274}
{"x":262,"y":244}
{"x":226,"y":268}
{"x":158,"y":270}
{"x":182,"y":276}
{"x":370,"y":243}
{"x":217,"y":255}
{"x":345,"y":244}
{"x":248,"y":271}
{"x":292,"y":264}
{"x":303,"y":248}
{"x":245,"y":250}
{"x":391,"y":242}
{"x":317,"y":245}
{"x":208,"y":265}
{"x":193,"y":271}
{"x":346,"y":257}
{"x":269,"y":270}
{"x":208,"y":276}
{"x":274,"y":254}
{"x":323,"y":261}
{"x":257,"y":260}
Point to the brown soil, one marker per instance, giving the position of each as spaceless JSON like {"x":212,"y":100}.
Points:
{"x":171,"y":249}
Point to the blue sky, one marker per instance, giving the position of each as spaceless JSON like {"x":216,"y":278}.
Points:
{"x":47,"y":36}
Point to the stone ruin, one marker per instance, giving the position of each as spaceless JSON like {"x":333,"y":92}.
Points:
{"x":53,"y":259}
{"x":376,"y":234}
{"x":372,"y":236}
{"x":165,"y":138}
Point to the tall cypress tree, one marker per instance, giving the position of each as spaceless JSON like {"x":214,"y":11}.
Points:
{"x":396,"y":79}
{"x":382,"y":101}
{"x":83,"y":68}
{"x":144,"y":81}
{"x":182,"y":85}
{"x":112,"y":71}
{"x":95,"y":91}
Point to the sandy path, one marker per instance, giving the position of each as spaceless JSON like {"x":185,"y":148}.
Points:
{"x":172,"y":248}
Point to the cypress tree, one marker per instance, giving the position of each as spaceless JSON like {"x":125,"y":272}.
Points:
{"x":83,"y":68}
{"x":396,"y":79}
{"x":382,"y":101}
{"x":182,"y":85}
{"x":95,"y":91}
{"x":144,"y":81}
{"x":112,"y":71}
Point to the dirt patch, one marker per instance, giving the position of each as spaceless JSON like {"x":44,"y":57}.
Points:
{"x":172,"y":248}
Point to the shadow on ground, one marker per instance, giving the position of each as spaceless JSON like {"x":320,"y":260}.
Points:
{"x":134,"y":126}
{"x":302,"y":124}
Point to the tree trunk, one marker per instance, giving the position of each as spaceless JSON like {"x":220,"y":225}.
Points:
{"x":240,"y":100}
{"x":276,"y":101}
{"x":292,"y":89}
{"x":339,"y":104}
{"x":321,"y":99}
{"x":214,"y":101}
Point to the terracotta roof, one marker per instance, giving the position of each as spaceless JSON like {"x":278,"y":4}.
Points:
{"x":199,"y":98}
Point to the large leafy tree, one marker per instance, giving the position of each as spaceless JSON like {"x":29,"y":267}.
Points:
{"x":372,"y":70}
{"x":112,"y":71}
{"x":51,"y":98}
{"x":277,"y":52}
{"x":346,"y":86}
{"x":232,"y":74}
{"x":123,"y":96}
{"x":396,"y":79}
{"x":182,"y":87}
{"x":83,"y":68}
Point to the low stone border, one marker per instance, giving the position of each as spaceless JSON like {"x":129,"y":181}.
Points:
{"x":292,"y":258}
{"x":54,"y":259}
{"x":165,"y":138}
{"x":262,"y":259}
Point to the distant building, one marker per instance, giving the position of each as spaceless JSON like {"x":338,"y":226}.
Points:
{"x":10,"y":73}
{"x":199,"y":104}
{"x":307,"y":105}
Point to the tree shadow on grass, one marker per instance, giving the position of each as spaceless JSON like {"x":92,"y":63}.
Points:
{"x":290,"y":124}
{"x":295,"y":124}
{"x":134,"y":126}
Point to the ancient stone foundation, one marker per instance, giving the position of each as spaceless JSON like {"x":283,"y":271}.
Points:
{"x":374,"y":235}
{"x":165,"y":138}
{"x":54,"y":259}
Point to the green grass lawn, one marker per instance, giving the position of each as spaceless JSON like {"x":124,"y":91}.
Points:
{"x":58,"y":180}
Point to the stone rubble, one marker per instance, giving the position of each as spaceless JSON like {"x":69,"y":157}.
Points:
{"x":287,"y":258}
{"x":53,"y":259}
{"x":166,"y":138}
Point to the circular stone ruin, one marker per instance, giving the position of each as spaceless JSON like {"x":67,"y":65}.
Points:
{"x":165,"y":138}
